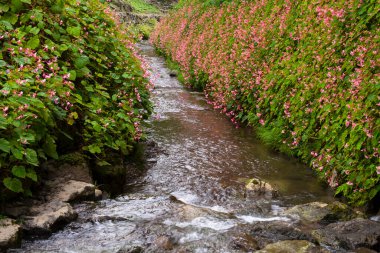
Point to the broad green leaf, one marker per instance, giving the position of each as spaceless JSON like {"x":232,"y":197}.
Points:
{"x":26,"y":1}
{"x":35,"y":30}
{"x":5,"y":145}
{"x":31,"y":173}
{"x":4,"y":7}
{"x":50,"y":148}
{"x":31,"y":157}
{"x":19,"y":171}
{"x":33,"y":43}
{"x":10,"y":17}
{"x":81,"y":62}
{"x":74,"y":31}
{"x":13,"y":184}
{"x":17,"y":153}
{"x":73,"y":75}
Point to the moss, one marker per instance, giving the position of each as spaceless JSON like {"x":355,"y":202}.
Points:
{"x":73,"y":158}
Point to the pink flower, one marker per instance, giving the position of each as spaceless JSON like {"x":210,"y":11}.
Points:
{"x":350,"y":183}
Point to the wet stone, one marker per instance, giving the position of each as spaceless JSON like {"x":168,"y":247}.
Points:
{"x":258,"y":188}
{"x":47,"y":218}
{"x":74,"y":191}
{"x":245,"y":242}
{"x":322,"y":212}
{"x":10,"y":234}
{"x":350,"y":235}
{"x":292,"y":246}
{"x":270,"y":232}
{"x":164,"y":242}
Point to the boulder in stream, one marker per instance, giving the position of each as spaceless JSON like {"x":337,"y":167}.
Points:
{"x":350,"y":235}
{"x":258,"y":188}
{"x":270,"y":232}
{"x":10,"y":234}
{"x":75,"y":190}
{"x":49,"y":217}
{"x":323,"y":213}
{"x":292,"y":246}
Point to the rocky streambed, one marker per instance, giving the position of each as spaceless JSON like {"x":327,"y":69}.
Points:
{"x":207,"y":187}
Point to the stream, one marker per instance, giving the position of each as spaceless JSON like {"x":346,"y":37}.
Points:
{"x":193,"y":196}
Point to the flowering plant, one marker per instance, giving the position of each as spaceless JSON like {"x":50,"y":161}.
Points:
{"x":305,"y":74}
{"x":69,"y":79}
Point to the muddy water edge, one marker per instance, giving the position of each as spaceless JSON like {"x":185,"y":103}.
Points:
{"x":193,"y":196}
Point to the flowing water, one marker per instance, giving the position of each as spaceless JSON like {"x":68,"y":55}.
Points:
{"x":193,"y":196}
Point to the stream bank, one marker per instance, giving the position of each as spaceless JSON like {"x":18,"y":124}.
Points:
{"x":211,"y":188}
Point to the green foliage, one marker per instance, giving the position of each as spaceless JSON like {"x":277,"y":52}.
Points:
{"x":303,"y":73}
{"x":69,"y":79}
{"x":141,"y":6}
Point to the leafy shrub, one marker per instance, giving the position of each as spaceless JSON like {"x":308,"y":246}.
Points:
{"x":69,"y":79}
{"x":304,"y":73}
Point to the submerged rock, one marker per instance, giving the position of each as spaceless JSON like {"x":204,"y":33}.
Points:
{"x":322,"y":212}
{"x":49,"y":217}
{"x":350,"y":235}
{"x":164,"y":242}
{"x":291,"y":246}
{"x":244,"y":242}
{"x":10,"y":234}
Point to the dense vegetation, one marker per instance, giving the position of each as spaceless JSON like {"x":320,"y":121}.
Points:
{"x":69,"y":80}
{"x":305,"y":74}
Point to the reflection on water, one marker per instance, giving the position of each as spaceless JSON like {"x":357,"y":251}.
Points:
{"x":195,"y":192}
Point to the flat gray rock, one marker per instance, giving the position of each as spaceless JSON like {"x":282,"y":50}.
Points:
{"x":49,"y":217}
{"x":74,"y":190}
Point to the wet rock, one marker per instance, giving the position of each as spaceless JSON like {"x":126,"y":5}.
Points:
{"x":350,"y":235}
{"x":364,"y":250}
{"x":292,"y":246}
{"x":75,"y":190}
{"x":164,"y":242}
{"x":131,"y":249}
{"x":98,"y":194}
{"x":270,"y":232}
{"x":245,"y":243}
{"x":49,"y":217}
{"x":256,"y":187}
{"x":173,"y":73}
{"x":322,"y":212}
{"x":10,"y":234}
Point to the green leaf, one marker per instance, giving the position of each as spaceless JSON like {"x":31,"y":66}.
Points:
{"x":81,"y":62}
{"x":50,"y":148}
{"x":74,"y":30}
{"x":31,"y":173}
{"x":19,"y":171}
{"x":13,"y":184}
{"x":17,"y":153}
{"x":33,"y":43}
{"x":94,"y":149}
{"x":4,"y":7}
{"x":10,"y":17}
{"x":73,"y":75}
{"x":31,"y":157}
{"x":5,"y":145}
{"x":35,"y":30}
{"x":27,"y":1}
